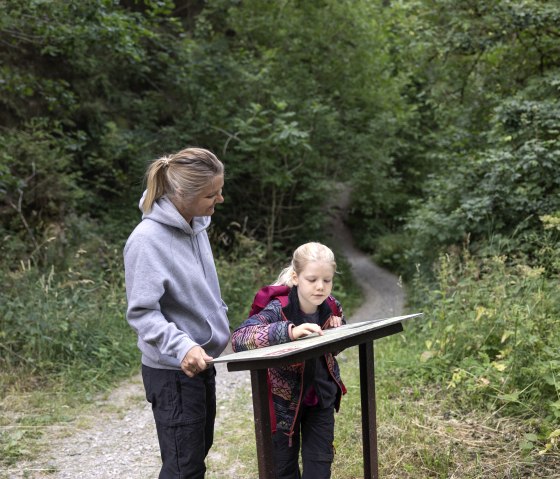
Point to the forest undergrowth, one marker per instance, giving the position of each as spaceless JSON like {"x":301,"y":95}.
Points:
{"x":457,"y":395}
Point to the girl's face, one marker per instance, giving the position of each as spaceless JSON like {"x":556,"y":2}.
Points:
{"x":314,"y":284}
{"x":202,"y":204}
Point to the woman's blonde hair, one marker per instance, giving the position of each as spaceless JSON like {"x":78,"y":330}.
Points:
{"x":304,"y":254}
{"x":186,"y":172}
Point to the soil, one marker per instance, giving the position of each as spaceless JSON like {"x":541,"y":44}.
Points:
{"x":120,"y":440}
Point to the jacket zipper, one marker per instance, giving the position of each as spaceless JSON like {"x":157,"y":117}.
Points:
{"x":291,"y":433}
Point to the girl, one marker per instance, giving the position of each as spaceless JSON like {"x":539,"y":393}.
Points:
{"x":175,"y":305}
{"x":304,"y":395}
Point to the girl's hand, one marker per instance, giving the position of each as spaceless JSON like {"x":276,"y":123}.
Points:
{"x":306,"y":329}
{"x":333,"y":322}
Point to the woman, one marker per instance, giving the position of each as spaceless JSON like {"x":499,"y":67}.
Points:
{"x":175,"y":305}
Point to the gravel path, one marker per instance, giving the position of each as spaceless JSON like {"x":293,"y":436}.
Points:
{"x":120,"y":440}
{"x":383,"y":291}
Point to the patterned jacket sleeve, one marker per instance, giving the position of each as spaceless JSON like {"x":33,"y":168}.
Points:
{"x":342,"y":317}
{"x":266,"y":328}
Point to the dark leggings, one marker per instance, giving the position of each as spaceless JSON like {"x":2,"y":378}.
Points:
{"x":184,"y":411}
{"x":316,"y":426}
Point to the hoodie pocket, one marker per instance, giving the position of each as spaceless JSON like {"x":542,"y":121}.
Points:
{"x":218,"y":325}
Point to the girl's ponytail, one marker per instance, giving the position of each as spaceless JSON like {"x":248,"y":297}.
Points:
{"x":285,"y":277}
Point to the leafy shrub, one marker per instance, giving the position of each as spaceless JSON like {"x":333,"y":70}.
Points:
{"x":391,"y":251}
{"x":242,"y":271}
{"x":492,"y":332}
{"x":499,"y":190}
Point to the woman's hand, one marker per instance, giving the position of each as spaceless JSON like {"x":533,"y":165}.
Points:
{"x":306,"y":329}
{"x":195,"y":361}
{"x":333,"y":322}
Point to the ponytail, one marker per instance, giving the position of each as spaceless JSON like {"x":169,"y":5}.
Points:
{"x":285,"y":277}
{"x":155,"y":182}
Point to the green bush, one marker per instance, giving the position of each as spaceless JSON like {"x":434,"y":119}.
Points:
{"x":390,"y":251}
{"x":491,"y":334}
{"x":242,"y":272}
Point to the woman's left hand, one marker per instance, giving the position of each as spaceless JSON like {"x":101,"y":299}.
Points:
{"x":333,"y":322}
{"x":195,"y":361}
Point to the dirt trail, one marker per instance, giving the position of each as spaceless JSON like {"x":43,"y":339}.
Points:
{"x":383,"y":291}
{"x":120,"y":440}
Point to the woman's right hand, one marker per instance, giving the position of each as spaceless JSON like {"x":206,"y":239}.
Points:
{"x":306,"y":329}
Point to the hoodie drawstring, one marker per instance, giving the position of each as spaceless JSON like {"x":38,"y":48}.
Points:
{"x":199,"y":255}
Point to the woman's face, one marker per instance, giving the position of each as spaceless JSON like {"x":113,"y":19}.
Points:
{"x":202,"y":204}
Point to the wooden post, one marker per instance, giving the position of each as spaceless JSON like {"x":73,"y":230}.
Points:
{"x":369,"y":423}
{"x":262,"y":423}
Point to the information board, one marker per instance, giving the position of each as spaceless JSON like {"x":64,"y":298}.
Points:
{"x":331,"y":335}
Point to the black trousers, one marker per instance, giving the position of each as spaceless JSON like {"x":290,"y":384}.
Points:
{"x":184,"y":411}
{"x":316,"y":428}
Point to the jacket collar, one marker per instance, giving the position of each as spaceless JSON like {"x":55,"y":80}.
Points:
{"x":295,"y":315}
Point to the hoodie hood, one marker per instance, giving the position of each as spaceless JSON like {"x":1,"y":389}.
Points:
{"x":164,"y":211}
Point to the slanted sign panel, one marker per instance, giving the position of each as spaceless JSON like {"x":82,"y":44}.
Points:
{"x":313,"y":340}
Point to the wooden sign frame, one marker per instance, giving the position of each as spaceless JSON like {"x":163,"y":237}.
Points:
{"x":257,"y":361}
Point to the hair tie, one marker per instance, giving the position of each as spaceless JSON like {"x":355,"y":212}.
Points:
{"x":165,"y":160}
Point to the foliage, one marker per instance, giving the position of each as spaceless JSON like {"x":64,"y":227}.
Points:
{"x":503,"y":189}
{"x":242,"y":272}
{"x":93,"y":89}
{"x":277,"y":146}
{"x":476,"y":147}
{"x":313,"y":113}
{"x":54,"y":322}
{"x":31,"y":165}
{"x":492,"y":332}
{"x":74,"y":80}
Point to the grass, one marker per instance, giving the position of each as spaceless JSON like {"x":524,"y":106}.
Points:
{"x":64,"y":340}
{"x":419,"y":435}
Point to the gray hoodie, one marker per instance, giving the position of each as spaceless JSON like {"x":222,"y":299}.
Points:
{"x":174,"y":300}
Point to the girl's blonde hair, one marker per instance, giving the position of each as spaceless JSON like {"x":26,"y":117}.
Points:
{"x":186,"y":172}
{"x":304,"y":254}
